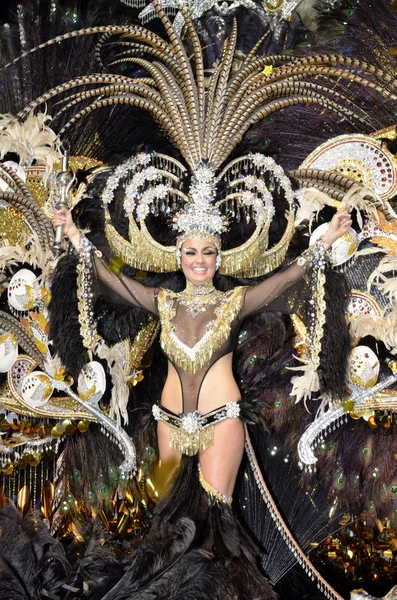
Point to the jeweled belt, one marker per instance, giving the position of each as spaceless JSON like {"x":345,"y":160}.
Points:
{"x":193,"y":432}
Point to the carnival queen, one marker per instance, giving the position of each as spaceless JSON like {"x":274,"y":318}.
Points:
{"x":200,"y":416}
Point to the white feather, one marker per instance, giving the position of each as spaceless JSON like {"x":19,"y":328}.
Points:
{"x":311,"y":202}
{"x":382,"y":328}
{"x":114,"y":357}
{"x":304,"y":385}
{"x":362,"y":199}
{"x":31,"y":140}
{"x":381,"y":279}
{"x":30,"y":252}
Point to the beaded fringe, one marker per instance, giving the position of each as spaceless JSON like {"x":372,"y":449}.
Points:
{"x":191,"y":443}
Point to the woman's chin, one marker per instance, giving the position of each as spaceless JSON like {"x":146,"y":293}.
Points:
{"x":196,"y":279}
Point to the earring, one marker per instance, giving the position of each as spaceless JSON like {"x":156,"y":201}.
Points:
{"x":218,"y":260}
{"x":179,"y":258}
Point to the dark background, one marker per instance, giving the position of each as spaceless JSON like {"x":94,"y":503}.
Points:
{"x":6,"y":8}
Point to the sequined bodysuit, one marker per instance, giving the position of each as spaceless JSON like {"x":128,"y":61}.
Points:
{"x":194,"y":341}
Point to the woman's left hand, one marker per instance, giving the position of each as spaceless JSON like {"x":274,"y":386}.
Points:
{"x":340,"y":224}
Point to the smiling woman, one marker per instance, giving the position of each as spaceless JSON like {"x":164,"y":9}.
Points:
{"x":200,"y":418}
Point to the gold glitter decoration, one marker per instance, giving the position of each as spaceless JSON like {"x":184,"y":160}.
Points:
{"x":387,"y":243}
{"x":47,"y":388}
{"x":142,"y":342}
{"x":353,"y":244}
{"x":385,"y":225}
{"x":13,"y":229}
{"x":193,"y":359}
{"x":300,"y":335}
{"x":38,"y":190}
{"x":80,"y":163}
{"x":9,"y":340}
{"x":357,"y":380}
{"x":388,"y":133}
{"x":86,"y":395}
{"x":139,"y":252}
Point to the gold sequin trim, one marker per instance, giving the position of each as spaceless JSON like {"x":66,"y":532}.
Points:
{"x":212,"y":492}
{"x":193,"y":359}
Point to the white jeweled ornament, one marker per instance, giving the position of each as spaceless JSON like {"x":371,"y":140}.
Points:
{"x":36,"y":389}
{"x":363,"y":367}
{"x":92,"y":382}
{"x":21,"y":293}
{"x":8,"y":351}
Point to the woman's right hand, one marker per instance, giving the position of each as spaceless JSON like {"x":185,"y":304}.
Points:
{"x":63,"y":216}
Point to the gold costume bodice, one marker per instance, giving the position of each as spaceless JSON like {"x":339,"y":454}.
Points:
{"x":196,"y":331}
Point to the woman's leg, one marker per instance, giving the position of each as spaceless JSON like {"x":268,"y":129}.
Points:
{"x":169,"y":457}
{"x":220,"y":463}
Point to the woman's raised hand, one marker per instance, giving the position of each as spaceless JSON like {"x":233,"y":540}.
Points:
{"x":340,"y":224}
{"x":63,"y":216}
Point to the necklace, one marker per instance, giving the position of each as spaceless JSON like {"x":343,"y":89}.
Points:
{"x":197,"y":298}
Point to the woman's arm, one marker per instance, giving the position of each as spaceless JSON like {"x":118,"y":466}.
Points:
{"x":115,"y":287}
{"x":270,"y":293}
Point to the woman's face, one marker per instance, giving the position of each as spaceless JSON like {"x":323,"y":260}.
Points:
{"x":198,"y":259}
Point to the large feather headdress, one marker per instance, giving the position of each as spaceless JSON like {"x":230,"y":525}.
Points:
{"x":205,"y":125}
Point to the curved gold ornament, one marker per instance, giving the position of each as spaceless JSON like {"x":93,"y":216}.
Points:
{"x":58,"y":407}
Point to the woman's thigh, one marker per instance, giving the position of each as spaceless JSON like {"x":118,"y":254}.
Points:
{"x":220,"y":463}
{"x":169,"y":457}
{"x":167,"y":453}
